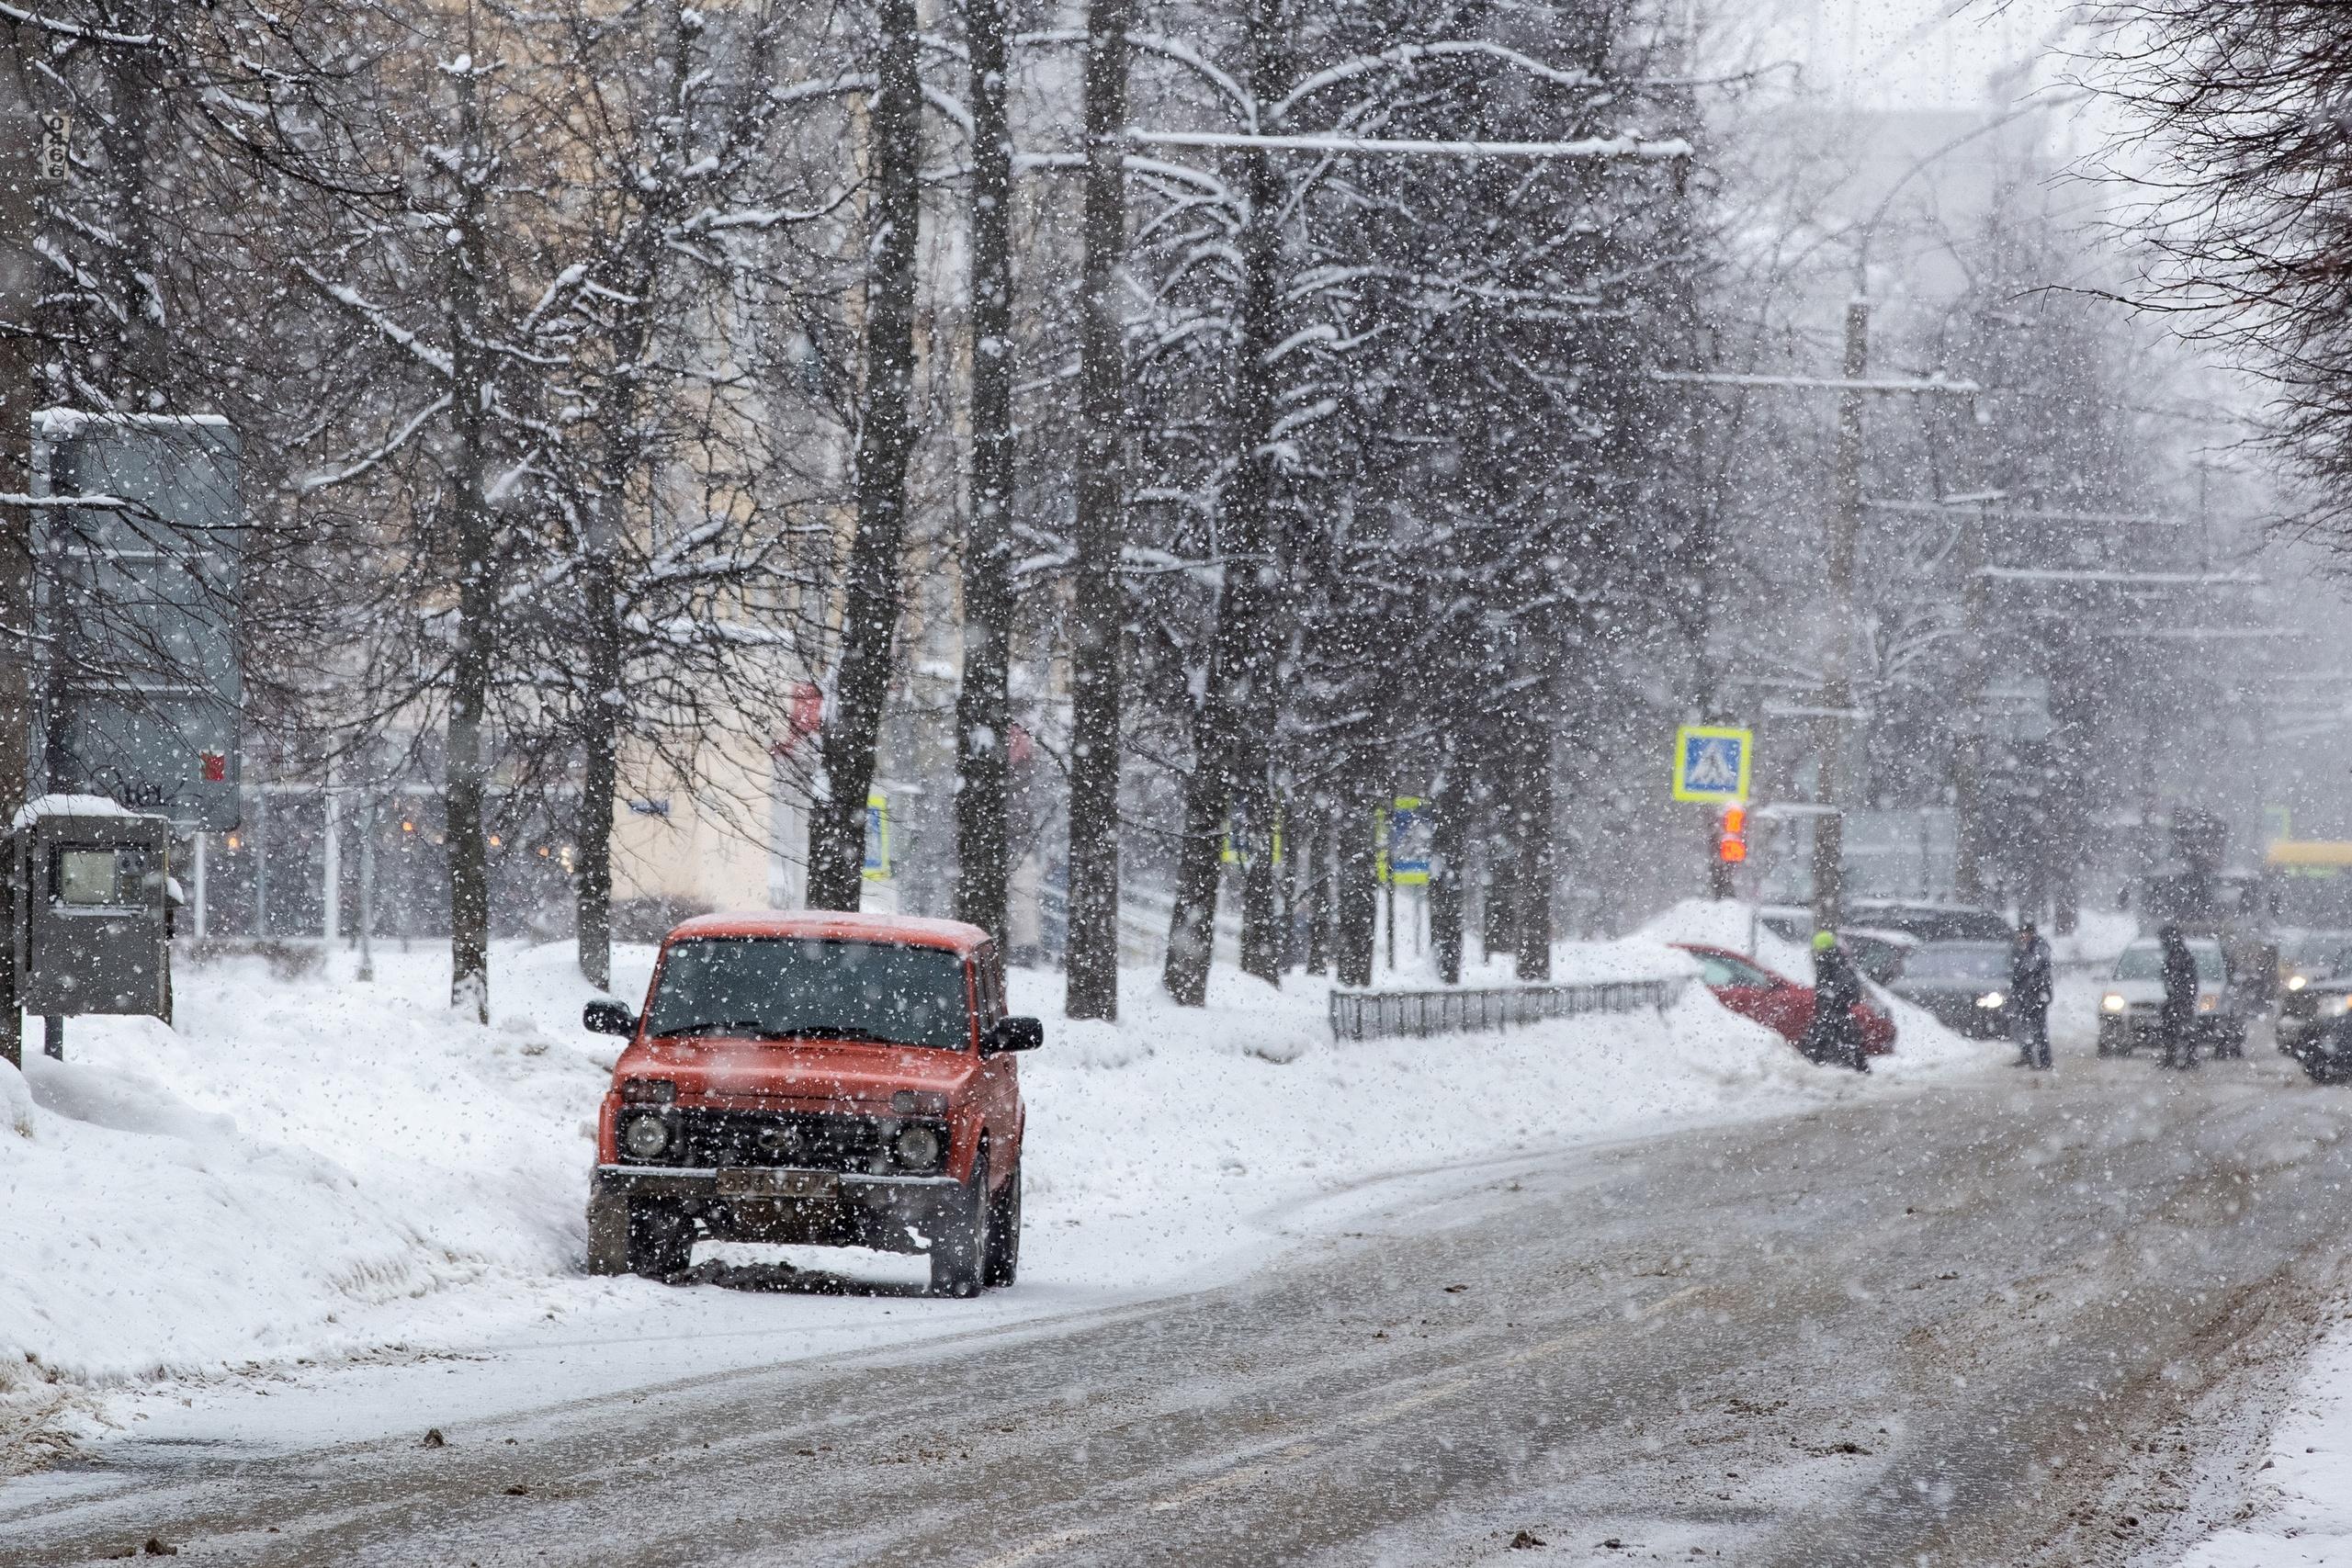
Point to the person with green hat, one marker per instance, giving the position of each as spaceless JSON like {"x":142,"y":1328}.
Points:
{"x":1833,"y":1038}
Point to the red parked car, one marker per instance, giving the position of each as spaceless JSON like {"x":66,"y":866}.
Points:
{"x":836,"y":1079}
{"x":1781,"y":1005}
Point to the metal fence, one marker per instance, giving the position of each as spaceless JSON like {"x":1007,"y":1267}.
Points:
{"x":1375,"y":1015}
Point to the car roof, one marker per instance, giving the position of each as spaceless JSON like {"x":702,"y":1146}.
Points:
{"x":837,"y":925}
{"x":1979,"y":942}
{"x":2189,"y":941}
{"x":1712,"y":950}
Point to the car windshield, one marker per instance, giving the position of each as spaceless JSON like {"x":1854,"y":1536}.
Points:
{"x":1936,"y":962}
{"x":2145,"y":961}
{"x":1715,"y":970}
{"x":803,"y":989}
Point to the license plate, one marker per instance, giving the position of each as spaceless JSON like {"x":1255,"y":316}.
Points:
{"x":738,"y":1183}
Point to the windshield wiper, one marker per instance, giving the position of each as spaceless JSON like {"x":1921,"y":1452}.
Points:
{"x":756,"y":1028}
{"x":752,"y":1027}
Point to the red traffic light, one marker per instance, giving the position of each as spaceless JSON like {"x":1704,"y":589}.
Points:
{"x":1731,"y":835}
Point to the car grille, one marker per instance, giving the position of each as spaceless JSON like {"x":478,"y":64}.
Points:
{"x":806,"y":1141}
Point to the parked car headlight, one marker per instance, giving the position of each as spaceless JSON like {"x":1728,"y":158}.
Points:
{"x":2207,"y":1002}
{"x":1990,"y":1000}
{"x":645,"y":1134}
{"x":918,"y":1147}
{"x":2111,"y":1002}
{"x":2296,"y":982}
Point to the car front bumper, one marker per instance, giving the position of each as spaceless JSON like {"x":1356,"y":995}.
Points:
{"x":890,"y":1213}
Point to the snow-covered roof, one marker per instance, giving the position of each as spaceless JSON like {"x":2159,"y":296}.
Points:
{"x":34,"y":810}
{"x":63,"y":422}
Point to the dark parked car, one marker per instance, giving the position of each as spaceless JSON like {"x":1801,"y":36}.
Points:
{"x":2326,"y":1047}
{"x":1930,"y":922}
{"x":1964,"y":984}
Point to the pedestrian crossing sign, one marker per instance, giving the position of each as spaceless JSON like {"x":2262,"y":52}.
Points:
{"x":1711,"y":763}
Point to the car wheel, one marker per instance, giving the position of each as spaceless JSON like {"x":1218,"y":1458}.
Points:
{"x":661,"y":1240}
{"x":1004,"y":1232}
{"x":608,"y":1234}
{"x":959,"y":1252}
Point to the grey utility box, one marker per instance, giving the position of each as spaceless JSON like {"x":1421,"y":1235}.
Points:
{"x":95,"y":932}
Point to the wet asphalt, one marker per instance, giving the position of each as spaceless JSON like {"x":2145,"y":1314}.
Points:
{"x":1927,"y":1325}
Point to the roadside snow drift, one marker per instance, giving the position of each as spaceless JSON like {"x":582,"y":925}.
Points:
{"x":308,"y":1168}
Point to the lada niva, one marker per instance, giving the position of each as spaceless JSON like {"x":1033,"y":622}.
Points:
{"x":820,"y":1079}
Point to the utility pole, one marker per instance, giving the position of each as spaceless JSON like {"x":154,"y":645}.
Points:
{"x":19,"y":281}
{"x":1838,"y":668}
{"x":1968,"y":776}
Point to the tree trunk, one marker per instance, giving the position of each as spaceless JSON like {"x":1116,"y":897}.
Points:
{"x":1262,"y":953}
{"x":1359,"y":891}
{"x":592,"y":835}
{"x":1500,"y":916}
{"x":1537,"y":861}
{"x":1192,"y":923}
{"x":870,"y":610}
{"x":1098,"y":609}
{"x":466,"y":764}
{"x":983,"y":703}
{"x":1314,"y":893}
{"x":1446,"y":840}
{"x":1233,"y":727}
{"x":625,"y":461}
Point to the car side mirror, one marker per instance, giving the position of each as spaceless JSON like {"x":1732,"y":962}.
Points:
{"x":606,"y":1017}
{"x":1012,"y":1034}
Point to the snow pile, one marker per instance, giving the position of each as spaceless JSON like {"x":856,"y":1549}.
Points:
{"x":315,"y":1169}
{"x":292,"y":1171}
{"x":2302,"y":1512}
{"x":1159,"y":1142}
{"x":1921,"y":1044}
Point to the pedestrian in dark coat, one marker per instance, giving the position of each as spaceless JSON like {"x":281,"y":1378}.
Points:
{"x":2029,"y":990}
{"x":1835,"y":1037}
{"x":2179,"y":1016}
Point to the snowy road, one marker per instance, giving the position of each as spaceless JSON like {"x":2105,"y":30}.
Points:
{"x":1926,"y":1327}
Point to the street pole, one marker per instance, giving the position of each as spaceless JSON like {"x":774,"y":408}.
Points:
{"x":19,"y":285}
{"x":331,"y":873}
{"x":368,"y":818}
{"x":1837,"y":674}
{"x":1967,"y":774}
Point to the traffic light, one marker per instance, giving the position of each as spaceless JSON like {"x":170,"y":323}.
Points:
{"x":1731,"y":835}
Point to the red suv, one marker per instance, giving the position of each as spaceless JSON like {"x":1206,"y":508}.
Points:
{"x":835,"y":1080}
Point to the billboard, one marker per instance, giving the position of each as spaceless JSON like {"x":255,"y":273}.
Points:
{"x":137,"y":584}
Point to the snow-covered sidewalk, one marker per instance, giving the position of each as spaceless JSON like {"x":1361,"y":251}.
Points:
{"x":309,"y":1170}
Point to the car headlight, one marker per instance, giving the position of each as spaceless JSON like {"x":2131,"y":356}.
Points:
{"x":2207,"y":1002}
{"x":2111,"y":1002}
{"x":1990,"y":1000}
{"x":2345,"y":1006}
{"x":918,"y":1147}
{"x":649,"y":1091}
{"x":644,"y":1135}
{"x":2296,"y":982}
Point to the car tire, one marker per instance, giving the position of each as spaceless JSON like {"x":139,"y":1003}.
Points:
{"x":959,"y":1252}
{"x":608,"y":1234}
{"x":661,"y":1240}
{"x":1004,"y":1233}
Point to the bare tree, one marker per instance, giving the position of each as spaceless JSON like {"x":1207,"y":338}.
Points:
{"x":885,"y":440}
{"x":1098,"y":617}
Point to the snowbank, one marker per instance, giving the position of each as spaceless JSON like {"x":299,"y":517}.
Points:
{"x":2300,"y":1510}
{"x":1921,"y":1044}
{"x":315,"y":1169}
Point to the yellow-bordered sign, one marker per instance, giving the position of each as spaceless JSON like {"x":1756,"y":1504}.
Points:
{"x":1711,"y":763}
